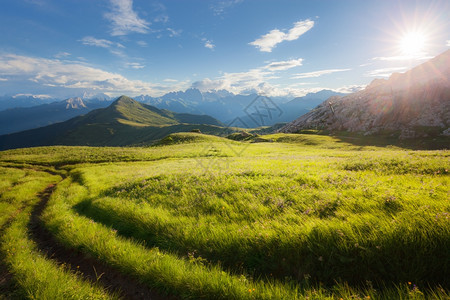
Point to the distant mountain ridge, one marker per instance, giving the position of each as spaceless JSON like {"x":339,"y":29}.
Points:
{"x":222,"y":105}
{"x":24,"y":100}
{"x":291,"y":110}
{"x":19,"y":119}
{"x":124,"y":122}
{"x":7,"y":102}
{"x":413,"y":104}
{"x":226,"y":106}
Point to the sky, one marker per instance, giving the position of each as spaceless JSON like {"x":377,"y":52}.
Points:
{"x":63,"y":48}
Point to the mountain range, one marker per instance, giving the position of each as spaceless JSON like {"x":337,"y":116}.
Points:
{"x":226,"y":106}
{"x":222,"y":105}
{"x":124,"y":122}
{"x":23,"y":100}
{"x":24,"y":118}
{"x":413,"y":104}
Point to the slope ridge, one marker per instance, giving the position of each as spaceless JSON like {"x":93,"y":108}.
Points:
{"x":413,"y":104}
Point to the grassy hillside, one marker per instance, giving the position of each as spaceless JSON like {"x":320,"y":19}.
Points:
{"x":202,"y":217}
{"x":124,"y":122}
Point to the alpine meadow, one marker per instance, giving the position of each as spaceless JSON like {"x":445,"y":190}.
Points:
{"x":229,"y":149}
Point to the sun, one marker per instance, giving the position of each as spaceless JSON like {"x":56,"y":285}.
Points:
{"x":413,"y":43}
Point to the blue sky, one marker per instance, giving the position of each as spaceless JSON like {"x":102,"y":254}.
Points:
{"x":62,"y":48}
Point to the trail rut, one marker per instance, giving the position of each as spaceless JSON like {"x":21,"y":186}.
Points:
{"x":90,"y":268}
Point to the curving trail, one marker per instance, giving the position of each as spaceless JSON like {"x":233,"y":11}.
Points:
{"x":90,"y":268}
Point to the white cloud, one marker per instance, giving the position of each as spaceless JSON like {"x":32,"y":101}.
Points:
{"x":60,"y":77}
{"x":318,"y":73}
{"x":142,"y":43}
{"x":220,"y":7}
{"x":92,"y":41}
{"x":448,"y":43}
{"x":257,"y":81}
{"x":209,"y":44}
{"x":240,"y":82}
{"x":62,"y":54}
{"x":118,"y":53}
{"x":366,"y":64}
{"x":284,"y":65}
{"x":114,"y":48}
{"x":173,"y":32}
{"x":41,"y":96}
{"x":135,"y":66}
{"x":385,"y":72}
{"x":419,"y":56}
{"x":350,"y":88}
{"x":170,"y":80}
{"x":3,"y":79}
{"x":268,"y":41}
{"x":124,"y":19}
{"x":251,"y":81}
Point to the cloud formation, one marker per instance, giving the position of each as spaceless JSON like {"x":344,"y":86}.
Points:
{"x":385,"y":72}
{"x":114,"y":48}
{"x":62,"y":54}
{"x":220,"y":7}
{"x":419,"y":56}
{"x":347,"y":89}
{"x":318,"y":73}
{"x":269,"y":41}
{"x":67,"y":78}
{"x":135,"y":65}
{"x":284,"y":65}
{"x":142,"y":43}
{"x":92,"y":41}
{"x":124,"y":19}
{"x":209,"y":44}
{"x":173,"y":32}
{"x":251,"y":81}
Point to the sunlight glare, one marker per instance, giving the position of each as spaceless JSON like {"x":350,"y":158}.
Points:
{"x":413,"y":43}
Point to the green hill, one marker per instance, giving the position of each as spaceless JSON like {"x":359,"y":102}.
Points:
{"x":124,"y":122}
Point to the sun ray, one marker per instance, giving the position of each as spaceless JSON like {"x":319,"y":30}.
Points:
{"x":413,"y":43}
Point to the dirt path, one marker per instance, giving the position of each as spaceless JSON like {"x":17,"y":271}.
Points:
{"x":90,"y":268}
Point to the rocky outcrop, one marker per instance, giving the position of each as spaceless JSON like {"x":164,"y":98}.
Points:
{"x":75,"y":103}
{"x":413,"y":104}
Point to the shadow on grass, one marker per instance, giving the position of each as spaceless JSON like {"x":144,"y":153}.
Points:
{"x":354,"y":265}
{"x":91,"y":269}
{"x":156,"y":237}
{"x":432,"y":142}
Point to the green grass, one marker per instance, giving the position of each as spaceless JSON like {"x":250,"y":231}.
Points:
{"x":302,"y":217}
{"x":34,"y":276}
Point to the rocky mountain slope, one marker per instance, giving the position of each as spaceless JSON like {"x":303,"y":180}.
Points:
{"x":412,"y":104}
